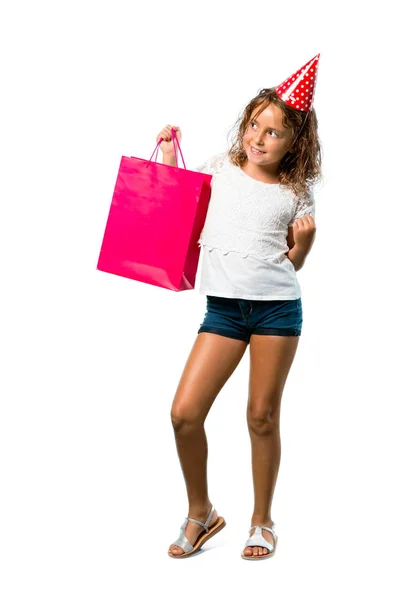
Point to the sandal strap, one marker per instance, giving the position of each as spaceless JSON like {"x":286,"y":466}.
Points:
{"x":257,"y":538}
{"x":204,"y":525}
{"x":272,"y":531}
{"x":182,"y":540}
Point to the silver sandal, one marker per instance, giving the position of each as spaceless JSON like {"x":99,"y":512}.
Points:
{"x":203,"y":537}
{"x":257,"y":539}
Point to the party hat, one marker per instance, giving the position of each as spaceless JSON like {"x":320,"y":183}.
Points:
{"x":298,"y":90}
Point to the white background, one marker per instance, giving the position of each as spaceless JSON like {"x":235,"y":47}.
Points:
{"x":92,"y":489}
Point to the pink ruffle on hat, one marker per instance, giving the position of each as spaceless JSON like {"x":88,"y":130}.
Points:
{"x":298,"y":90}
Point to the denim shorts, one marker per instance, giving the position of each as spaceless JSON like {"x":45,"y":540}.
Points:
{"x":238,"y":318}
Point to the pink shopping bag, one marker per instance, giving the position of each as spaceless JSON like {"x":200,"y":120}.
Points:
{"x":156,"y":216}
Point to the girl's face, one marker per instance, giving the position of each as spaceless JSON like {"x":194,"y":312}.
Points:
{"x":267,"y":134}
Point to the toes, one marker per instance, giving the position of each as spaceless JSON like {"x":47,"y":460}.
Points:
{"x":259,"y":550}
{"x":255,"y":551}
{"x":176,"y":550}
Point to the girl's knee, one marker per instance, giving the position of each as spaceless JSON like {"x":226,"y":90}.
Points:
{"x":183,"y":420}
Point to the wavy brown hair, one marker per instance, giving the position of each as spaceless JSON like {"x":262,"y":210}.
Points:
{"x":300,"y":167}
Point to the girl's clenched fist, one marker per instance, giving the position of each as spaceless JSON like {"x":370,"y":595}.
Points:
{"x":167,"y":145}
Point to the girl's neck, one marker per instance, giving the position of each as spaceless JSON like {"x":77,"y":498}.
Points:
{"x":261,"y":175}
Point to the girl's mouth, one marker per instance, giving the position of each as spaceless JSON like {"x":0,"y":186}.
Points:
{"x":254,"y":151}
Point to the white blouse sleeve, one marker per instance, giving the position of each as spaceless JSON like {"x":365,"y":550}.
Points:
{"x":211,"y":165}
{"x":304,"y":206}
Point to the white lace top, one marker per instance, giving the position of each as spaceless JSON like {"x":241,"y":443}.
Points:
{"x":244,"y":235}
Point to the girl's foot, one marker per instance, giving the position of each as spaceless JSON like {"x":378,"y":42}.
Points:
{"x":192,"y":530}
{"x":259,"y":550}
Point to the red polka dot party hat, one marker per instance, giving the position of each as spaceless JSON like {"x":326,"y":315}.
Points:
{"x":298,"y":90}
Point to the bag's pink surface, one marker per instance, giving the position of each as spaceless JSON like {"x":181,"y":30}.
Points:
{"x":156,"y":216}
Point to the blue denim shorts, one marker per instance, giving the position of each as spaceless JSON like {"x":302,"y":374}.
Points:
{"x":238,"y":318}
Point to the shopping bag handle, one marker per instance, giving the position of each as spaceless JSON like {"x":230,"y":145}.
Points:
{"x":174,"y":139}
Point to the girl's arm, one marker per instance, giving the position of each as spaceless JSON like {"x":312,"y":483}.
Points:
{"x":300,"y":247}
{"x":297,"y":256}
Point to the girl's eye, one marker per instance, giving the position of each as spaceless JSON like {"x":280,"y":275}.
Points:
{"x":253,"y":125}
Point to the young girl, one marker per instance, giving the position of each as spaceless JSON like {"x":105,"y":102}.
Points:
{"x":258,"y":231}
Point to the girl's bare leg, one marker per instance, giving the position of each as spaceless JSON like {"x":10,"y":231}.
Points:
{"x":270,"y":360}
{"x":211,"y":362}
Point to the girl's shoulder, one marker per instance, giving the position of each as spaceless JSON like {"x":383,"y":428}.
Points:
{"x":213,"y":164}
